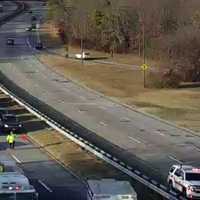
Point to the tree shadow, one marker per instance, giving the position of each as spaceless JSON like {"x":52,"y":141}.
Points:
{"x":31,"y":126}
{"x":25,"y":118}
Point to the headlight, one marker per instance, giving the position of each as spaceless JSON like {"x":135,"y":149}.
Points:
{"x":191,"y":188}
{"x":20,"y":125}
{"x":5,"y":125}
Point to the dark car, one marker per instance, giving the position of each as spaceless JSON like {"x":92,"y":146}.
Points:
{"x":39,"y":46}
{"x":9,"y":122}
{"x":3,"y":111}
{"x":10,"y":41}
{"x":33,"y":18}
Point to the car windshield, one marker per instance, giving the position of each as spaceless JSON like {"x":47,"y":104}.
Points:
{"x":192,"y":176}
{"x":9,"y":118}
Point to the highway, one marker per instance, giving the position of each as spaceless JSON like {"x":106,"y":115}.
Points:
{"x":147,"y":143}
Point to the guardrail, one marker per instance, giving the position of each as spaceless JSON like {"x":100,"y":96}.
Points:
{"x":9,"y":88}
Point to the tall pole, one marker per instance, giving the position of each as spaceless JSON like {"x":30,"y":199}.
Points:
{"x":144,"y":49}
{"x":81,"y":46}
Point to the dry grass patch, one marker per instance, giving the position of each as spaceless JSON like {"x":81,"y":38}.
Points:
{"x":81,"y":162}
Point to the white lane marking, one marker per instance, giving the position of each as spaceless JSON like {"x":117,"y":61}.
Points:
{"x":103,"y":123}
{"x":15,"y":158}
{"x":175,"y":159}
{"x":161,"y":134}
{"x":45,"y":186}
{"x":135,"y":140}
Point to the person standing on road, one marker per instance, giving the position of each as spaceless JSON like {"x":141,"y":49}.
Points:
{"x":11,"y":140}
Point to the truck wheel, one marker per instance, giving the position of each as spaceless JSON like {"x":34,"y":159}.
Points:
{"x":184,"y":192}
{"x":171,"y":185}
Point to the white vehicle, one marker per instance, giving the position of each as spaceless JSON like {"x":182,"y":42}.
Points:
{"x":84,"y":55}
{"x":110,"y":189}
{"x":185,"y":179}
{"x":14,"y":184}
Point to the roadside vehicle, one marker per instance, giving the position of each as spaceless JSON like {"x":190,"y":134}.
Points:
{"x":10,"y":41}
{"x":185,"y":179}
{"x":14,"y":185}
{"x":28,"y":29}
{"x":84,"y":55}
{"x":10,"y":122}
{"x":39,"y":46}
{"x":106,"y":189}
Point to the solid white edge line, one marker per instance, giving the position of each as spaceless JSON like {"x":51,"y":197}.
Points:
{"x":45,"y":186}
{"x":15,"y":158}
{"x":87,"y":147}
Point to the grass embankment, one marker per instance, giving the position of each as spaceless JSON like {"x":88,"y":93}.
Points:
{"x":82,"y":163}
{"x":181,"y":106}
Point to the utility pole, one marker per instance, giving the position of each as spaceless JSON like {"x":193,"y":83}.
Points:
{"x":144,"y":48}
{"x":82,"y":46}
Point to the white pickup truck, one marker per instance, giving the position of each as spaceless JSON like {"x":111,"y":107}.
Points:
{"x":185,"y":179}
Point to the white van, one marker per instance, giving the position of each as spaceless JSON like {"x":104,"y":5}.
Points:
{"x":110,"y":189}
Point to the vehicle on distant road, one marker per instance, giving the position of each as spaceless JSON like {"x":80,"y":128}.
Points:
{"x":106,"y":189}
{"x":1,"y":8}
{"x":33,"y":18}
{"x":84,"y":55}
{"x":10,"y":41}
{"x":39,"y":46}
{"x":10,"y":122}
{"x":185,"y":179}
{"x":29,"y":28}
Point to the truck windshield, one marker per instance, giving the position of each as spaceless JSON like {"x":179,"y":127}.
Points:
{"x":192,"y":176}
{"x":19,"y":196}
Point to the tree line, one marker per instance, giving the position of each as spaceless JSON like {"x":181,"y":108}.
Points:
{"x":170,"y":29}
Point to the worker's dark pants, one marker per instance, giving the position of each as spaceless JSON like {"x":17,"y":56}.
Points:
{"x":12,"y":145}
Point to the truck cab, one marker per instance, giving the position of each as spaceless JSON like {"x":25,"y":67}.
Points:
{"x":106,"y":189}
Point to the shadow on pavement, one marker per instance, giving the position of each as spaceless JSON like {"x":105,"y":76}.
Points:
{"x":25,"y":118}
{"x":31,"y":126}
{"x":4,"y":145}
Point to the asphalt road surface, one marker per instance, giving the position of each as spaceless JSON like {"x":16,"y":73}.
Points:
{"x":155,"y":144}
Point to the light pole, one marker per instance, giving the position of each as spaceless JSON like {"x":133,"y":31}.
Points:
{"x":144,"y":51}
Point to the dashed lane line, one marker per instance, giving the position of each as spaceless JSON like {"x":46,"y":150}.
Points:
{"x":135,"y":140}
{"x":45,"y":186}
{"x":15,"y":158}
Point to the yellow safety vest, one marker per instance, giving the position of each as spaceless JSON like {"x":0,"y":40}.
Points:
{"x":11,"y":138}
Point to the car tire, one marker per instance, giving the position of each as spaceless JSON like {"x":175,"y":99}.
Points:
{"x":171,"y":185}
{"x":184,"y":192}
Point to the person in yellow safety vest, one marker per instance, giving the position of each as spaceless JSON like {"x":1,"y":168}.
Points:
{"x":11,"y":140}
